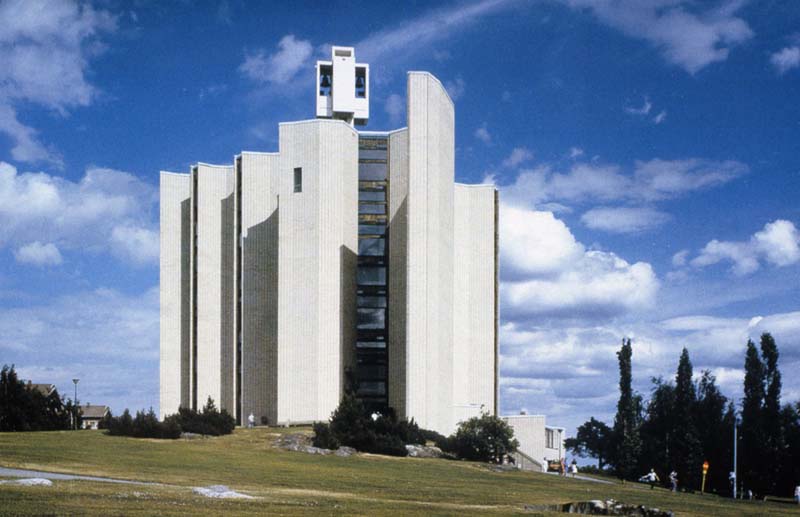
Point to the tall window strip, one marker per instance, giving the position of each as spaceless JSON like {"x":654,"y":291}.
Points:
{"x":372,"y":303}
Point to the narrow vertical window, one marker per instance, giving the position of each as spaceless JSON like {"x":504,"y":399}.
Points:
{"x":298,"y":179}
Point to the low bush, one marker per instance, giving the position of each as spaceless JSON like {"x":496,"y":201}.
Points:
{"x":483,"y":438}
{"x":146,"y":425}
{"x":352,"y":425}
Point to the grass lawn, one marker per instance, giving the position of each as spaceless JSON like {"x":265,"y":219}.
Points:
{"x":293,"y":483}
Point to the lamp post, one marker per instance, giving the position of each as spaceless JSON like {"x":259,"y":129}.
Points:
{"x":75,"y":404}
{"x":735,"y":447}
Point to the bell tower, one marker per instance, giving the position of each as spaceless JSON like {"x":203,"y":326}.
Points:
{"x":342,"y":89}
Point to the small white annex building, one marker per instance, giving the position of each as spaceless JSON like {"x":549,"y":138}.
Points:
{"x":342,"y":252}
{"x":539,"y":443}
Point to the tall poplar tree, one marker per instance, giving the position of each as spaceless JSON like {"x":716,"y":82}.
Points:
{"x":751,"y":460}
{"x":626,"y":422}
{"x":685,"y":452}
{"x":773,"y":439}
{"x":714,"y":419}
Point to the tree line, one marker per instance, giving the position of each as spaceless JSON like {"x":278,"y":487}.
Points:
{"x":687,"y":422}
{"x":23,"y":408}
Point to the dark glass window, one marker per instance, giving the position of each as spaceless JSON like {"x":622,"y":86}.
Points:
{"x":372,"y":154}
{"x":371,"y":344}
{"x":370,"y":208}
{"x":372,"y":301}
{"x":372,"y":195}
{"x":298,"y":179}
{"x":372,"y":171}
{"x":371,"y":318}
{"x":371,"y":388}
{"x":371,"y":247}
{"x":371,"y":371}
{"x":371,"y":229}
{"x":371,"y":275}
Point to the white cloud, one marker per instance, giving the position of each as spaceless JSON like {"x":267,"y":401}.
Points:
{"x":45,"y":49}
{"x":395,"y":107}
{"x":786,"y":59}
{"x":407,"y":38}
{"x":686,"y":35}
{"x":777,"y":243}
{"x":38,"y":254}
{"x":518,"y":156}
{"x":624,"y":219}
{"x":455,"y":88}
{"x":95,"y":214}
{"x":644,"y":110}
{"x":281,"y":66}
{"x":651,"y":180}
{"x":546,"y":271}
{"x":575,"y":152}
{"x":137,"y":244}
{"x":482,"y":134}
{"x":661,"y":117}
{"x":679,"y":259}
{"x":103,"y":337}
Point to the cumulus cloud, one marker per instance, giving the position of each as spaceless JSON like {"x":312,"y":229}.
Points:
{"x":45,"y":48}
{"x":785,"y":59}
{"x":778,"y":243}
{"x":38,"y":254}
{"x":106,"y":210}
{"x":624,"y":219}
{"x":546,"y":271}
{"x":281,"y":66}
{"x":517,"y":157}
{"x":687,"y":34}
{"x":90,"y":327}
{"x":651,"y":180}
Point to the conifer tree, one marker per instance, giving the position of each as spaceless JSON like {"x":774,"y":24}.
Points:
{"x":773,"y":439}
{"x":714,"y":420}
{"x":685,"y":453}
{"x":751,"y":460}
{"x":626,"y":423}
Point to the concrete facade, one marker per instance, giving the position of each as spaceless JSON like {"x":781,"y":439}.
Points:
{"x":174,"y":275}
{"x":269,"y":264}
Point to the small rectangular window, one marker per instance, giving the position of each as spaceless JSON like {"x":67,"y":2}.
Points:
{"x":371,"y":229}
{"x":298,"y":179}
{"x":371,"y":247}
{"x":372,"y":208}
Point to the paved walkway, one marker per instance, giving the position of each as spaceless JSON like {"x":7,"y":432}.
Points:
{"x":23,"y":473}
{"x":583,"y":478}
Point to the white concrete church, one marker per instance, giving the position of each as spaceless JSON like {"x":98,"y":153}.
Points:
{"x":344,"y":251}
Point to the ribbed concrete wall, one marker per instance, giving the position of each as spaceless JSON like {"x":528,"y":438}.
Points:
{"x":174,"y":272}
{"x":430,"y":253}
{"x":259,"y":284}
{"x":398,"y":247}
{"x":316,"y":258}
{"x":214,"y":278}
{"x":473,"y":300}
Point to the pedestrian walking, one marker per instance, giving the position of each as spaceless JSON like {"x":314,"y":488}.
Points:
{"x":573,"y":468}
{"x":251,"y":420}
{"x":797,"y":494}
{"x":673,"y":480}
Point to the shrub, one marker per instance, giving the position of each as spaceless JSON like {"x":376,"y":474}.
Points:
{"x":146,"y":425}
{"x":210,"y":421}
{"x":352,"y":425}
{"x":484,"y":438}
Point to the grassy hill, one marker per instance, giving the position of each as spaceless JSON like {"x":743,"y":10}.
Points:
{"x":293,"y":483}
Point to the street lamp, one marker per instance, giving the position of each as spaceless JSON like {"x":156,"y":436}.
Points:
{"x":75,"y":403}
{"x":734,"y":474}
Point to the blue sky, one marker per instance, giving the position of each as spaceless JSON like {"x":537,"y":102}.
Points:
{"x":645,"y":151}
